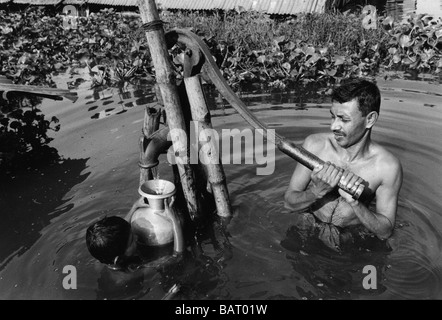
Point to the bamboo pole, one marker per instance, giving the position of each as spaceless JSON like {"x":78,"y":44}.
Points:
{"x":211,"y":161}
{"x":150,"y":125}
{"x":165,"y":79}
{"x":151,"y":122}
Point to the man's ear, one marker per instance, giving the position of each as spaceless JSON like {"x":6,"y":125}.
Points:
{"x":371,"y":119}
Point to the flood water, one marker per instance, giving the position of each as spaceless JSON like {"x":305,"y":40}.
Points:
{"x":262,"y":254}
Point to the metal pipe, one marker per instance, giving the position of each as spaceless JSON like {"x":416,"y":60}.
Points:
{"x":311,"y":161}
{"x":157,"y":144}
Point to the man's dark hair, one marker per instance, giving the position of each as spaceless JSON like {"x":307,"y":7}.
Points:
{"x":366,"y":93}
{"x":107,"y":238}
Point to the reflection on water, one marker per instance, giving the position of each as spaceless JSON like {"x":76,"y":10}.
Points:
{"x":262,"y":253}
{"x":141,"y":95}
{"x":30,"y":199}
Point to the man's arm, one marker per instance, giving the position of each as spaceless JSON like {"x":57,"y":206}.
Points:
{"x":382,"y":221}
{"x":324,"y":179}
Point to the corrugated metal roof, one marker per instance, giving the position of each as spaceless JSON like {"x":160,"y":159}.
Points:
{"x":80,"y":2}
{"x":125,"y":3}
{"x":38,"y":2}
{"x":291,"y":6}
{"x":268,"y":6}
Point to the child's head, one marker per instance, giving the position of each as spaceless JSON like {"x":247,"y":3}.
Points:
{"x":110,"y":240}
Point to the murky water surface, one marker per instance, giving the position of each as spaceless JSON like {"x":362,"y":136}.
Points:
{"x":266,"y":256}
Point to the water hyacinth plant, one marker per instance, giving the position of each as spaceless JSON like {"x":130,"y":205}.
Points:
{"x":248,"y":46}
{"x":325,"y":48}
{"x":108,"y":48}
{"x":416,"y":43}
{"x":33,"y":45}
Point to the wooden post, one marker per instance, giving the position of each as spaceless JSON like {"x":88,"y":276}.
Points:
{"x":166,"y":81}
{"x":211,"y":161}
{"x":150,"y":125}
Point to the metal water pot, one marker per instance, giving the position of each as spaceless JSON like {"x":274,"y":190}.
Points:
{"x":150,"y":224}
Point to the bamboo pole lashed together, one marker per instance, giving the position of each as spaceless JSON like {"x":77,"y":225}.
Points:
{"x":165,"y":79}
{"x":150,"y":125}
{"x":211,"y":161}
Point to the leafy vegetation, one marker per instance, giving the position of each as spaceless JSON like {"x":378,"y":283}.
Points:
{"x":249,"y":47}
{"x":416,"y":44}
{"x":325,"y":48}
{"x":34,"y":46}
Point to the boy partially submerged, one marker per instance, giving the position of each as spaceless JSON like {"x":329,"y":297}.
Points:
{"x":112,"y":241}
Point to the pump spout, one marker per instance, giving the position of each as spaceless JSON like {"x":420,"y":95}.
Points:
{"x":154,"y":146}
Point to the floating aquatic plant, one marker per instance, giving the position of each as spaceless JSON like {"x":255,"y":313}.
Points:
{"x":108,"y":48}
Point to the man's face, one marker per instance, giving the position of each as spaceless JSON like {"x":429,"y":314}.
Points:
{"x":348,"y":124}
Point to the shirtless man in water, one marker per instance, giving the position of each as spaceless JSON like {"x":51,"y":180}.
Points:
{"x":352,"y":158}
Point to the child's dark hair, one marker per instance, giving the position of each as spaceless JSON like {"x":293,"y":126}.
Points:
{"x":366,"y":93}
{"x":108,"y":238}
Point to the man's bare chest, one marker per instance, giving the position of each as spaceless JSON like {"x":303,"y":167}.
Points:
{"x":364,"y":168}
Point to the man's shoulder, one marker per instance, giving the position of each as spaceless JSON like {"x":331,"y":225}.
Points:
{"x":316,"y":141}
{"x":386,"y":161}
{"x":389,"y":170}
